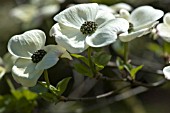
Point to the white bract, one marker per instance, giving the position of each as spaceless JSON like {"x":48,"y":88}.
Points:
{"x":8,"y":61}
{"x":166,"y":71}
{"x":33,"y":56}
{"x":2,"y":72}
{"x":84,"y":25}
{"x":2,"y":69}
{"x":142,"y":20}
{"x":163,"y":29}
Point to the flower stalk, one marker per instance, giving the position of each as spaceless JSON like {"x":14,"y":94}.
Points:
{"x":10,"y":84}
{"x":91,"y":64}
{"x":46,"y":77}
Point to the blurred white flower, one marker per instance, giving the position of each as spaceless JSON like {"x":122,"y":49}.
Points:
{"x":166,"y":71}
{"x":45,"y":2}
{"x":25,"y":13}
{"x":117,"y":7}
{"x":141,"y":20}
{"x":33,"y":56}
{"x":106,"y":8}
{"x":35,"y":11}
{"x":85,"y":25}
{"x":163,"y":29}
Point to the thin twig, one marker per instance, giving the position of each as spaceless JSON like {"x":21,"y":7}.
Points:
{"x":119,"y":97}
{"x":65,"y":99}
{"x":150,"y":85}
{"x":101,"y":77}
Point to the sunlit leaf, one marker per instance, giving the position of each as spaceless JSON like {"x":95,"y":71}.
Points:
{"x":29,"y":95}
{"x":133,"y":71}
{"x":62,"y":85}
{"x":82,"y":58}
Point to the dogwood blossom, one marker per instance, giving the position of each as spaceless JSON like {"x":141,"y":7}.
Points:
{"x":33,"y":56}
{"x":84,"y":25}
{"x":142,"y":20}
{"x":163,"y":29}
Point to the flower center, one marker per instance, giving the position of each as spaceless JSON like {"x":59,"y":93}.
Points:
{"x":88,"y":27}
{"x":38,"y":55}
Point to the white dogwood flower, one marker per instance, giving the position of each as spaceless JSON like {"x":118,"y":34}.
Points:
{"x":166,"y":71}
{"x":84,"y":25}
{"x":163,"y":29}
{"x":141,"y":20}
{"x":33,"y":56}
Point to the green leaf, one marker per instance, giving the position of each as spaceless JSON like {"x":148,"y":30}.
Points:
{"x":49,"y":97}
{"x":24,"y":93}
{"x":84,"y":70}
{"x":82,"y":58}
{"x":50,"y":87}
{"x":155,"y":48}
{"x":127,"y":68}
{"x":101,"y":58}
{"x":29,"y":95}
{"x":135,"y":70}
{"x":18,"y":102}
{"x":99,"y":67}
{"x":53,"y":90}
{"x":17,"y":94}
{"x":62,"y":85}
{"x":166,"y":46}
